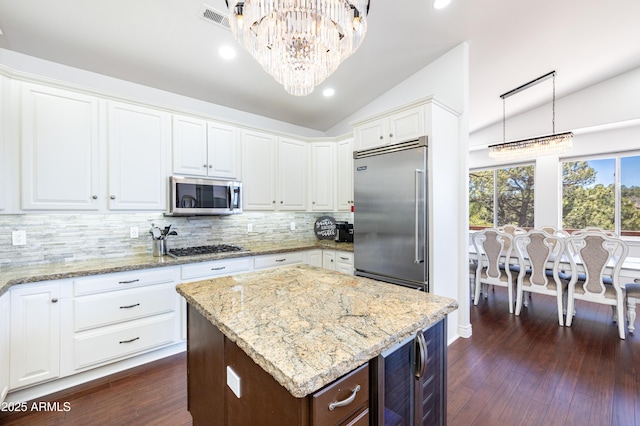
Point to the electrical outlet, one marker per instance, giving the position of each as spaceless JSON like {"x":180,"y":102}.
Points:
{"x":18,"y":238}
{"x":133,"y":232}
{"x":250,"y":227}
{"x":293,"y":226}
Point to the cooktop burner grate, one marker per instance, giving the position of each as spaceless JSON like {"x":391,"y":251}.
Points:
{"x":194,"y":251}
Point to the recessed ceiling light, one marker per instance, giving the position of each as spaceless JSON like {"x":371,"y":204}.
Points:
{"x":328,"y":92}
{"x":227,"y":52}
{"x":440,"y":4}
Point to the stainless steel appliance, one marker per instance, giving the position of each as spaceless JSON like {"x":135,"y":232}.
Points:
{"x":196,"y":196}
{"x":344,"y":232}
{"x":390,"y":217}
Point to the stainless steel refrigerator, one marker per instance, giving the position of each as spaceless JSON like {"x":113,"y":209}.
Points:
{"x":390,"y":213}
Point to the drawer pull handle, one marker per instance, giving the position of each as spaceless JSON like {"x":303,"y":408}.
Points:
{"x":128,"y":282}
{"x":344,"y":402}
{"x":344,"y":258}
{"x":219,"y":268}
{"x":281,"y":260}
{"x":130,"y":306}
{"x":129,"y":341}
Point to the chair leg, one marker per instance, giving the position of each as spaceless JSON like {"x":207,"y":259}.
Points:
{"x":510,"y":293}
{"x":620,"y":321}
{"x":570,"y":308}
{"x":631,"y":314}
{"x":614,"y":315}
{"x":518,"y":299}
{"x":559,"y":298}
{"x":477,"y":291}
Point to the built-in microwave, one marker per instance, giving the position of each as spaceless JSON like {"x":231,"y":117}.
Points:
{"x":195,"y":196}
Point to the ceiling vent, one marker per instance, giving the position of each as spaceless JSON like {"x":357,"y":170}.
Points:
{"x":215,"y":16}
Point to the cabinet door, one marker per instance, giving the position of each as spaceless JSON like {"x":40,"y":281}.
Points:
{"x":4,"y":345}
{"x":292,"y":175}
{"x":370,"y":135}
{"x":223,"y":151}
{"x":258,"y":171}
{"x":329,"y":259}
{"x":3,"y":173}
{"x":323,"y":176}
{"x":35,"y":334}
{"x":138,"y":142}
{"x":314,"y":258}
{"x":60,"y":149}
{"x":405,"y":125}
{"x":344,"y":184}
{"x":189,"y":146}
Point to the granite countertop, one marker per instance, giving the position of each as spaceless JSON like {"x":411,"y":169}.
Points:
{"x":55,"y":271}
{"x":308,"y":326}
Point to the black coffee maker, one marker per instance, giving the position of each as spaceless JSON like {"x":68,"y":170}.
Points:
{"x":344,"y":232}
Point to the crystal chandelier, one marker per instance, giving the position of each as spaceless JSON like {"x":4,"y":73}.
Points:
{"x":556,"y":143}
{"x":299,"y":42}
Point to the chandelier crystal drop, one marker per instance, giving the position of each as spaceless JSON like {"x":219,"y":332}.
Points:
{"x":299,"y":42}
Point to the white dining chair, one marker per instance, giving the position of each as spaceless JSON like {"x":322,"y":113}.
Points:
{"x":596,"y":259}
{"x":539,"y":254}
{"x":493,"y":249}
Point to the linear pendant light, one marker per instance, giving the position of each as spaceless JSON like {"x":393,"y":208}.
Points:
{"x":556,"y":143}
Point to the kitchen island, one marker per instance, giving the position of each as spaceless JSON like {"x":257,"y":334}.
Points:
{"x":304,"y":327}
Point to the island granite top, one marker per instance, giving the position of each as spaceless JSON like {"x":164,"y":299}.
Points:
{"x":61,"y":270}
{"x":308,"y":326}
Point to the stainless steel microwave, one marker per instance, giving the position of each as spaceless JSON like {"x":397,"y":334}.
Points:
{"x":195,"y":196}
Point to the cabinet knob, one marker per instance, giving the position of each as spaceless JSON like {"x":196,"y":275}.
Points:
{"x":95,"y":197}
{"x":273,"y":202}
{"x":113,"y":197}
{"x":54,"y":300}
{"x":210,"y":166}
{"x":204,"y":165}
{"x":281,"y":202}
{"x":313,"y":202}
{"x":381,"y":137}
{"x":390,"y":135}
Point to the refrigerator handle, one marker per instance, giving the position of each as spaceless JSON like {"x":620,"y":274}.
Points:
{"x":419,"y":218}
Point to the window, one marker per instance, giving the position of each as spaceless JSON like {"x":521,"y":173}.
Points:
{"x":594,"y":194}
{"x":501,"y":196}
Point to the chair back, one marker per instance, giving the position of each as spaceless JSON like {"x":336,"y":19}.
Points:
{"x":602,"y":257}
{"x":512,"y":230}
{"x":536,"y":251}
{"x":492,"y":244}
{"x":595,"y":229}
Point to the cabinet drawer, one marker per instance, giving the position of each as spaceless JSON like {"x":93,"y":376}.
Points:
{"x":123,"y":280}
{"x":342,"y":390}
{"x":344,"y":257}
{"x":114,"y":342}
{"x":119,"y":306}
{"x":216,"y":268}
{"x":273,"y":260}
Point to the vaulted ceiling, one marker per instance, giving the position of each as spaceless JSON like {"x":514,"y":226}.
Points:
{"x":168,"y":45}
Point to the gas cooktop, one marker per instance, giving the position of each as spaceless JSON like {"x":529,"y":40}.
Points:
{"x":214,"y":249}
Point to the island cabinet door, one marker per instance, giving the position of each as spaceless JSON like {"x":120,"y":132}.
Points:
{"x":205,"y":370}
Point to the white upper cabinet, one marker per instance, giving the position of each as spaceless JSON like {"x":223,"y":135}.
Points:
{"x":138,"y":141}
{"x":3,"y":156}
{"x":202,"y":148}
{"x":258,"y":171}
{"x":323,"y":157}
{"x":397,"y":127}
{"x":292,"y":175}
{"x":60,"y":149}
{"x":344,"y":183}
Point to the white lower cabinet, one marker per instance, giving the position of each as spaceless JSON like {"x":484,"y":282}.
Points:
{"x":5,"y":322}
{"x":334,"y":260}
{"x":275,"y":260}
{"x":35,"y":333}
{"x":115,"y":316}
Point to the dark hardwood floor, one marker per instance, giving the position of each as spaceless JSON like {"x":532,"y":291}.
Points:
{"x":528,"y":370}
{"x":523,"y":370}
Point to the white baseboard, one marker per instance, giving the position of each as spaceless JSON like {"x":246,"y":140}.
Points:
{"x":57,"y":385}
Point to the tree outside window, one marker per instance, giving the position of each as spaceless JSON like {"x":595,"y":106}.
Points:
{"x":590,"y":197}
{"x":502,"y":196}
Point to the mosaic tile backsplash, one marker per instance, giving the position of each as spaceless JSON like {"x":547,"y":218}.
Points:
{"x":71,"y":237}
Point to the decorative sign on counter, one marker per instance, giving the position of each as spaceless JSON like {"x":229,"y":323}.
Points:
{"x":325,"y":228}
